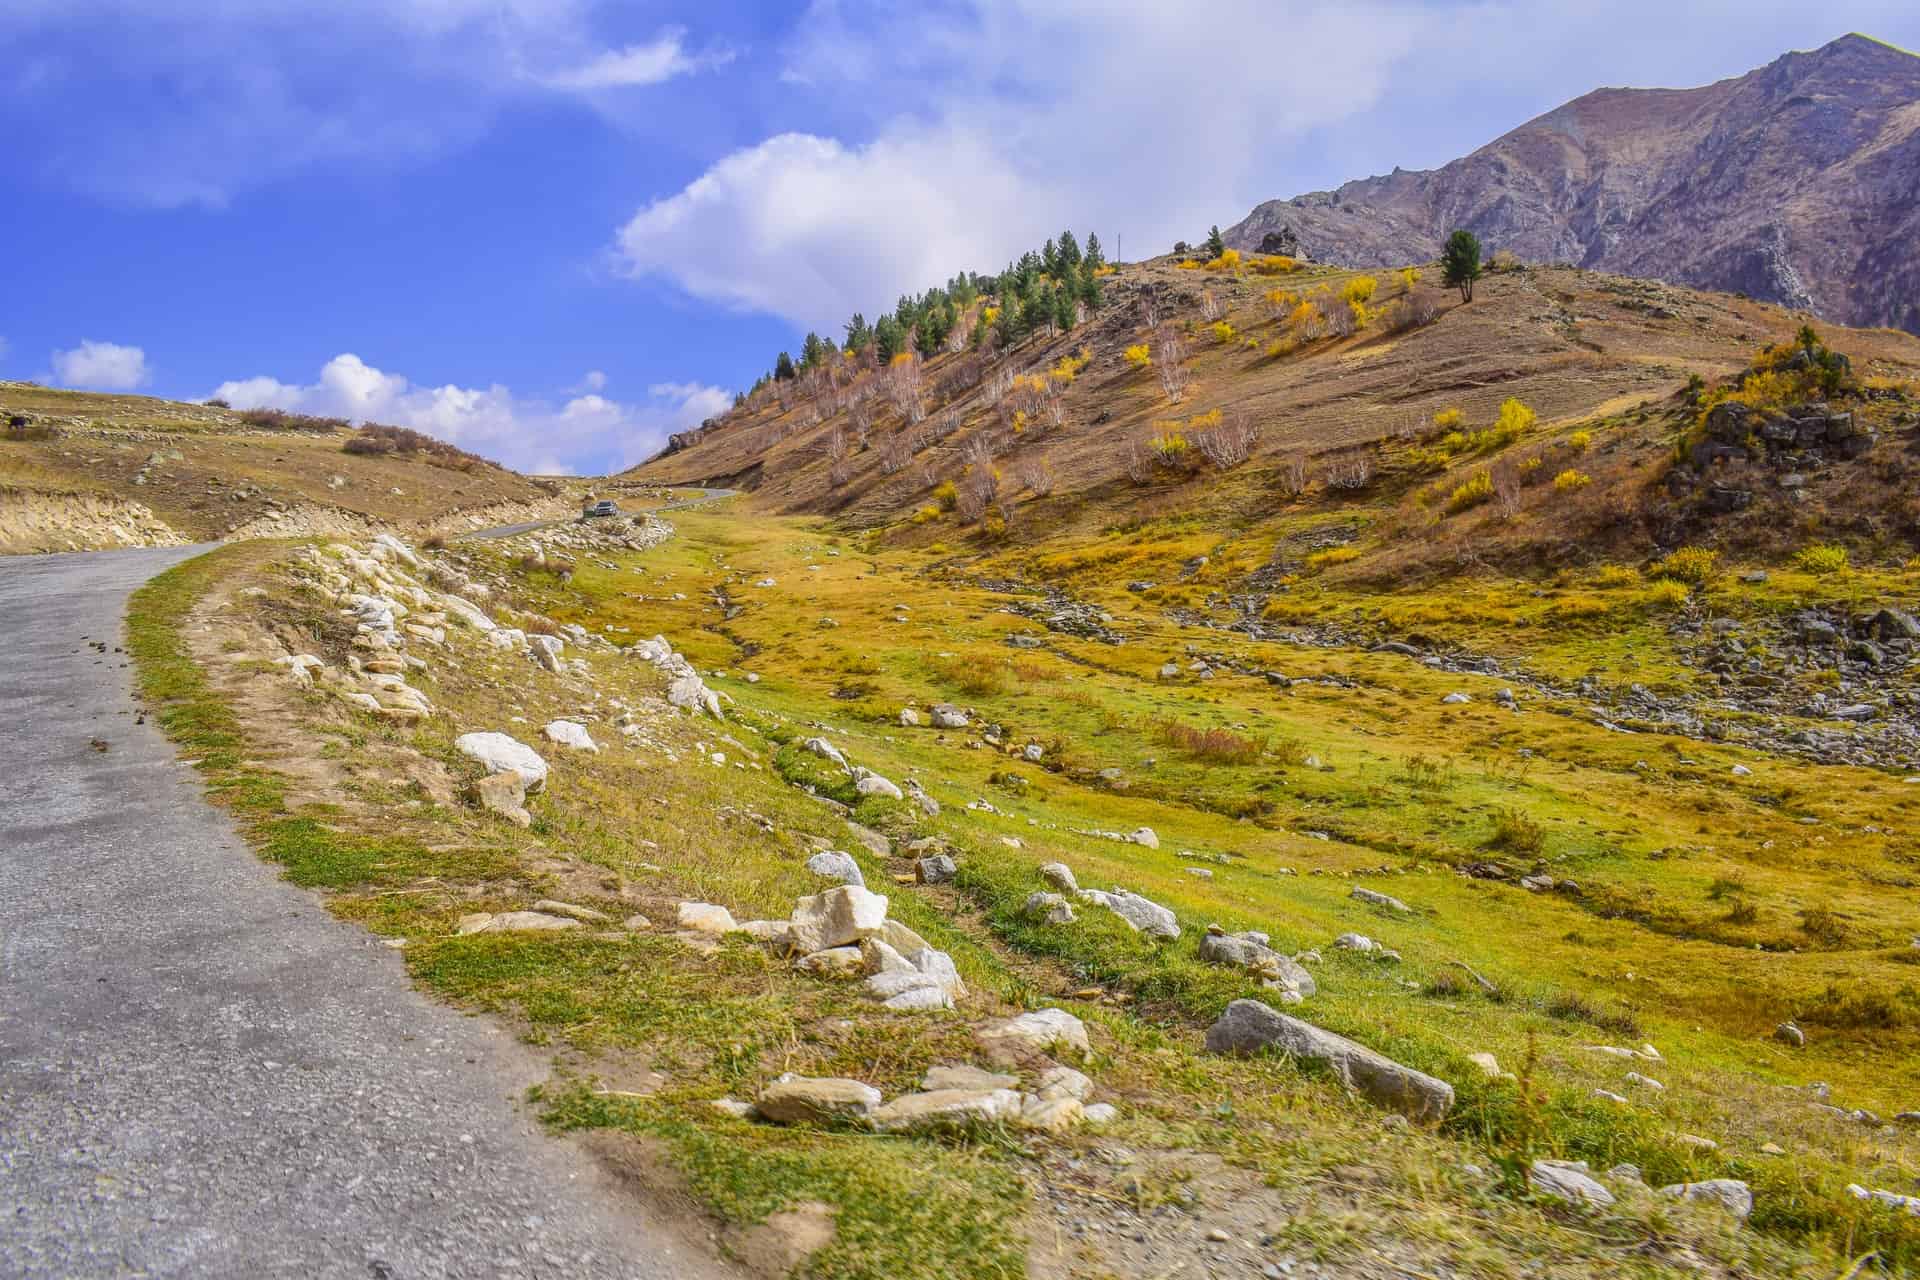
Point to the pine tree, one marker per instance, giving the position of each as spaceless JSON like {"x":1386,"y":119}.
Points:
{"x":1063,"y":307}
{"x":1069,"y":250}
{"x":1216,"y":245}
{"x":1460,"y":262}
{"x":1090,"y":287}
{"x":1050,"y":258}
{"x":859,"y":333}
{"x":783,"y":368}
{"x":812,"y":351}
{"x":889,"y":338}
{"x":1094,"y":256}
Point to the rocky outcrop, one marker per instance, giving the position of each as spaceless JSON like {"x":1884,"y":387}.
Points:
{"x":1249,"y":1027}
{"x":1791,"y":184}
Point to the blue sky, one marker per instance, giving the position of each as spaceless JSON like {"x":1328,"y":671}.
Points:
{"x":554,"y":230}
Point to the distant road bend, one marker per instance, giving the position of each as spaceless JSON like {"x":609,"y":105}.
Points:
{"x":202,"y":1073}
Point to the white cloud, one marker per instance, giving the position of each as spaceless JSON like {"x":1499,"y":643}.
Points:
{"x":588,"y":433}
{"x":655,"y":62}
{"x":102,"y":366}
{"x":594,"y":380}
{"x":1152,"y":127}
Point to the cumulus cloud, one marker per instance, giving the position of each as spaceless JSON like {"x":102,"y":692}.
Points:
{"x":102,"y":366}
{"x":655,"y":62}
{"x":594,"y":380}
{"x":588,"y":433}
{"x":1137,"y":141}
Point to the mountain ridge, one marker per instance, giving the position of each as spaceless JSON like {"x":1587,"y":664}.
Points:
{"x":1796,"y":183}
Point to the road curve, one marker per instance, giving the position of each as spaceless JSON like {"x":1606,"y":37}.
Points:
{"x":204,"y":1074}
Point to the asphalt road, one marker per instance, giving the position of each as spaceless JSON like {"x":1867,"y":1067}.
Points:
{"x":204,"y":1074}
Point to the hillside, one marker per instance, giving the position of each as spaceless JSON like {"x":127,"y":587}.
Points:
{"x":80,"y":470}
{"x":1335,"y":426}
{"x":1798,"y":183}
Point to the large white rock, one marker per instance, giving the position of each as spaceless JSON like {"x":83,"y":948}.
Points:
{"x":706,"y":917}
{"x":825,"y":750}
{"x":1735,"y":1196}
{"x":570,"y":733}
{"x":1568,"y":1180}
{"x":804,"y":1100}
{"x":836,"y":865}
{"x":467,"y":612}
{"x":498,"y":753}
{"x":1143,"y":914}
{"x":1060,"y":876}
{"x":872,"y":784}
{"x":836,"y":918}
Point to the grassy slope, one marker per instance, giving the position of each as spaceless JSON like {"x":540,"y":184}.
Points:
{"x":407,"y":865}
{"x":202,"y":470}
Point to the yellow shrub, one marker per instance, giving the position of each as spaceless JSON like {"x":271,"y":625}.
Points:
{"x":1221,"y":330}
{"x":1580,"y":440}
{"x":1279,"y":347}
{"x":1187,"y":264}
{"x":1139,"y":355}
{"x":1169,"y":442}
{"x":1228,"y":261}
{"x":1274,"y":265}
{"x":1409,"y":277}
{"x":1570,"y":479}
{"x":904,"y":357}
{"x":1477,"y":489}
{"x":1455,"y":442}
{"x":1688,"y":564}
{"x":1530,"y":465}
{"x":1822,"y":559}
{"x":1303,"y":314}
{"x":1514,"y":419}
{"x":1448,"y":419}
{"x":1360,"y":289}
{"x":1332,"y":555}
{"x":1067,"y":368}
{"x":1668,"y":594}
{"x":1202,"y":421}
{"x":925,"y":514}
{"x":946,"y":496}
{"x":1616,"y":575}
{"x":987,"y":316}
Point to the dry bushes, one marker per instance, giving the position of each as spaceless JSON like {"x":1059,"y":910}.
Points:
{"x":1215,"y":746}
{"x":376,"y":440}
{"x":1169,"y":361}
{"x":281,"y":420}
{"x":1228,"y":440}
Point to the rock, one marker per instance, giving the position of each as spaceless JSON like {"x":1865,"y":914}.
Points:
{"x":834,"y":962}
{"x":1893,"y":624}
{"x":835,"y":865}
{"x":569,"y":733}
{"x":498,"y":753}
{"x":546,"y":651}
{"x":872,"y":784}
{"x":909,"y":717}
{"x":1741,"y":771}
{"x":1144,"y":836}
{"x":1379,"y":900}
{"x":804,"y":1100}
{"x":524,"y":922}
{"x":970,"y":1078}
{"x":890,"y":983}
{"x":947,"y":716}
{"x":1060,"y":876}
{"x":825,"y":750}
{"x":690,"y":693}
{"x":1645,"y":1082}
{"x":504,"y":793}
{"x":1696,"y":1142}
{"x":1063,"y":1082}
{"x":946,"y":1111}
{"x":1257,"y":958}
{"x":772,"y":932}
{"x":939,"y":966}
{"x":1051,"y":908}
{"x":1730,"y":1193}
{"x":732,"y":1107}
{"x":637,"y":921}
{"x":939,"y":869}
{"x":1456,"y":699}
{"x":1891,"y":1199}
{"x":1248,"y":1026}
{"x":1789,"y":1033}
{"x":1100,"y":1113}
{"x":1143,"y":914}
{"x":1356,"y":942}
{"x":880,"y":957}
{"x":1488,"y":1064}
{"x":1568,"y":1180}
{"x":901,"y":938}
{"x":836,"y":918}
{"x":705,"y":917}
{"x":1050,"y":1115}
{"x":918,"y":1000}
{"x":1032,"y":752}
{"x":1040,"y":1031}
{"x":585,"y":915}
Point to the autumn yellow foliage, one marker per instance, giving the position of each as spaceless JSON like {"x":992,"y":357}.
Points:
{"x":1139,"y":355}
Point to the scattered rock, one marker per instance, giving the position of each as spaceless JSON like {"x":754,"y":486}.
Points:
{"x":938,"y":869}
{"x":1248,"y":1026}
{"x":569,"y":733}
{"x":835,"y":865}
{"x":805,"y":1100}
{"x":1730,"y":1193}
{"x":1790,"y":1033}
{"x":834,"y":962}
{"x":514,"y":922}
{"x":1040,"y":1031}
{"x":1060,"y":876}
{"x":836,"y":918}
{"x":966,"y":1078}
{"x":585,"y":915}
{"x":947,"y":716}
{"x":1568,"y":1180}
{"x":947,"y":1111}
{"x":1372,"y":898}
{"x":504,"y":793}
{"x":498,"y":753}
{"x":1257,"y":958}
{"x":705,"y":917}
{"x":1051,"y":908}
